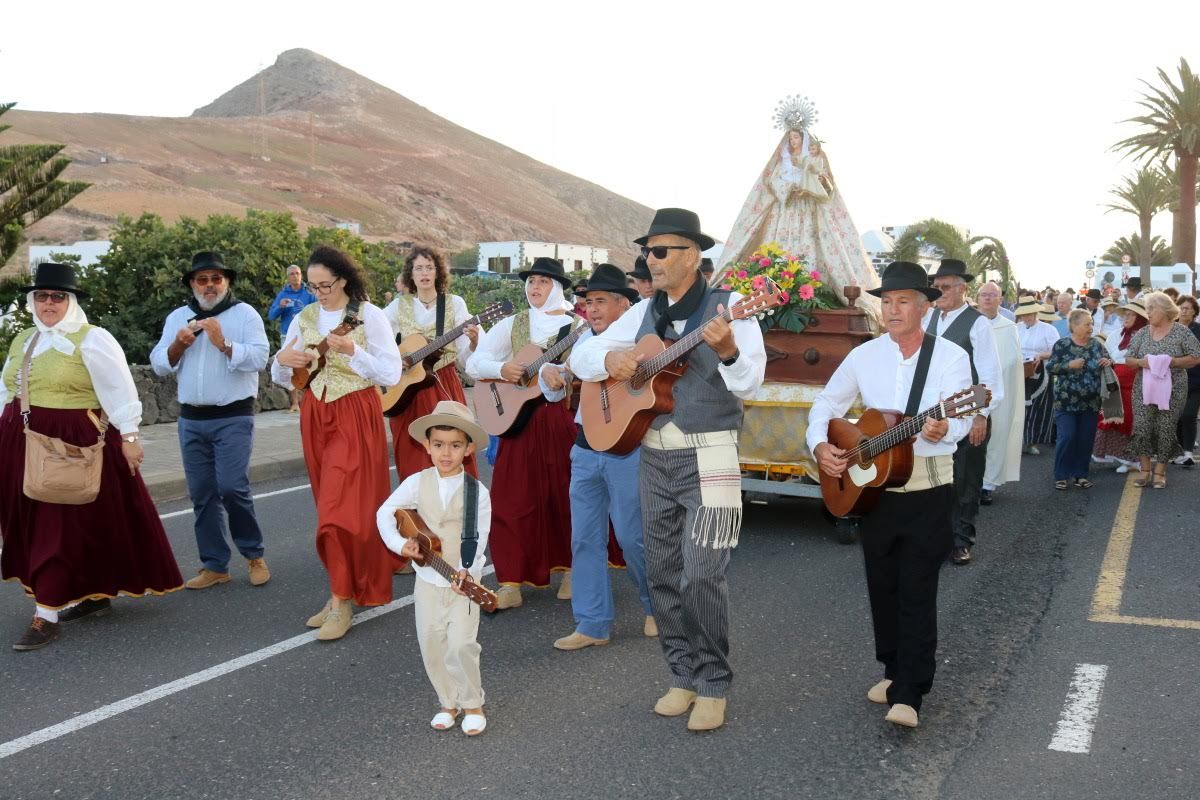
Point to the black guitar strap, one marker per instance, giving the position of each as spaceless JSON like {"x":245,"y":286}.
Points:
{"x":563,"y":333}
{"x":470,"y":532}
{"x":351,"y":311}
{"x":441,"y":314}
{"x":918,"y":384}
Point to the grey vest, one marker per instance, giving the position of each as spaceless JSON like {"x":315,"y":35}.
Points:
{"x":702,"y":403}
{"x":959,"y":332}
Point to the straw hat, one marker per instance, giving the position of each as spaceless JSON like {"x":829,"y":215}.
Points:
{"x":1048,"y":314}
{"x":1137,"y":307}
{"x":1028,"y":305}
{"x":452,"y":414}
{"x":1109,"y":302}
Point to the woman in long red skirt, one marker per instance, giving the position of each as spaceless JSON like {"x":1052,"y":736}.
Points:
{"x":427,"y":276}
{"x":73,"y":559}
{"x":341,"y":429}
{"x":531,"y":482}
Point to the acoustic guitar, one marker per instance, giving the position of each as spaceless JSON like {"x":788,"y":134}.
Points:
{"x":420,"y":355}
{"x":503,"y":408}
{"x":413,"y":527}
{"x":301,"y":376}
{"x":617,"y":414}
{"x":879,"y":447}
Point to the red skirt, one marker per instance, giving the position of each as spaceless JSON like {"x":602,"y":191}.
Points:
{"x":410,"y":454}
{"x":531,"y":503}
{"x":1125,"y":376}
{"x":63,"y":554}
{"x":345,"y":450}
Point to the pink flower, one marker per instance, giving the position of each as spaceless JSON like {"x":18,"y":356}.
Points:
{"x":758,"y":282}
{"x":726,"y":287}
{"x":742,"y":274}
{"x":816,"y":276}
{"x":764,"y":262}
{"x":786,"y":275}
{"x":805,"y":292}
{"x":784,"y":296}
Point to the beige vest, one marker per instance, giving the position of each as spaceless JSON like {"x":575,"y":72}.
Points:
{"x":55,"y":380}
{"x":406,"y":315}
{"x":445,"y":522}
{"x":519,"y":335}
{"x":337,"y":379}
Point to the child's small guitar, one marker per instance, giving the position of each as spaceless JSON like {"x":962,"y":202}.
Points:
{"x":413,"y":527}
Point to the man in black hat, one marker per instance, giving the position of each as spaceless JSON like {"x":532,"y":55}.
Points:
{"x":953,"y":319}
{"x":1090,"y":302}
{"x":907,"y":537}
{"x":689,"y":528}
{"x":706,"y":269}
{"x":1133,"y":290}
{"x":641,"y":278}
{"x":215,"y":346}
{"x":604,"y":486}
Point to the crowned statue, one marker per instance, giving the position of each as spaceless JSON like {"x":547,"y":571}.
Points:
{"x":796,"y":205}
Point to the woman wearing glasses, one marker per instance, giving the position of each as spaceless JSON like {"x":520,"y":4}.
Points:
{"x":341,"y":428}
{"x":73,"y":559}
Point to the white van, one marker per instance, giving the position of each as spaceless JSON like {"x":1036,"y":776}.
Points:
{"x":1179,"y":276}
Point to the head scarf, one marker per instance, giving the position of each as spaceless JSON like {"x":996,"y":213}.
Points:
{"x":55,"y":336}
{"x":542,"y":324}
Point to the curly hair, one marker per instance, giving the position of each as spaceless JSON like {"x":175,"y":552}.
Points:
{"x":342,"y":266}
{"x":440,"y":282}
{"x":1191,"y":301}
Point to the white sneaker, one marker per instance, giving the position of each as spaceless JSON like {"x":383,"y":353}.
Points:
{"x":1121,"y":470}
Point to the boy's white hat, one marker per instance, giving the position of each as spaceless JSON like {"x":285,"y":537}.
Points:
{"x":452,"y":414}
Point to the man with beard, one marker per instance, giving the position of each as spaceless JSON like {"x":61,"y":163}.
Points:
{"x":215,"y":346}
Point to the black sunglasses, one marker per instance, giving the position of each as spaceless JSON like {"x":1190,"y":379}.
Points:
{"x":660,"y":252}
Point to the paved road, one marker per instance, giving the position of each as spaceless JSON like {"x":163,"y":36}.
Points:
{"x":350,"y":719}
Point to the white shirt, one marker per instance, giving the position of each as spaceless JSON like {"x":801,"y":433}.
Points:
{"x":456,"y":314}
{"x":205,"y":376}
{"x":495,"y":348}
{"x":1113,"y":324}
{"x":743,"y":378}
{"x":984,"y":353}
{"x":405,"y":496}
{"x":1037,"y":338}
{"x":878,"y":372}
{"x":378,"y":363}
{"x":111,"y":378}
{"x":555,"y":395}
{"x":1113,"y":345}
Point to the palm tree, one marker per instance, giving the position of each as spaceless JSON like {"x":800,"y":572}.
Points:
{"x":930,"y":237}
{"x":1172,"y":177}
{"x":29,"y":187}
{"x":1131,"y":245}
{"x":992,"y":256}
{"x":1143,"y":195}
{"x":1171,"y":126}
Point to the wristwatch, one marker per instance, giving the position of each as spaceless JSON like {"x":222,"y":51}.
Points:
{"x":729,"y":362}
{"x":228,"y":349}
{"x":129,"y":437}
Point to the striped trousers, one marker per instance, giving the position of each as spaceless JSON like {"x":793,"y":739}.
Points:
{"x":687,"y":582}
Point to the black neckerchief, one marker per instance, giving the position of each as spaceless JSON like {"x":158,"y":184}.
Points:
{"x":687,"y":305}
{"x":227,"y":302}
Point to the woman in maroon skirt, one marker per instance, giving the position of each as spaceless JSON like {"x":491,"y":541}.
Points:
{"x":531,"y":482}
{"x":73,"y":559}
{"x":426,"y":277}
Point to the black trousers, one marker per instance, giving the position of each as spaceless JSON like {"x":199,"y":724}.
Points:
{"x":905,"y":541}
{"x":1187,"y":420}
{"x":970,"y":462}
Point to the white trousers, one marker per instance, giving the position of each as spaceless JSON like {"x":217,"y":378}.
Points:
{"x":447,"y":624}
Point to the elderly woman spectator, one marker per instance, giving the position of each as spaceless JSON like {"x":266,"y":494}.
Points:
{"x":1076,"y":363}
{"x":1112,"y":437}
{"x":1189,"y":310}
{"x":1161,"y":352}
{"x":73,"y":559}
{"x":1037,"y":340}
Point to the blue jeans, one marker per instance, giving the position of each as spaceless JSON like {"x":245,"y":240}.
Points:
{"x":1073,"y":448}
{"x":603,"y":486}
{"x":216,"y":462}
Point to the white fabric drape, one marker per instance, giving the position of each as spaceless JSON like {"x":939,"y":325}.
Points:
{"x":1008,"y":418}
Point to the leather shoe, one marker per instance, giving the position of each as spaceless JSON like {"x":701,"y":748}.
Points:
{"x":564,"y":588}
{"x":985,"y":497}
{"x":878,"y":692}
{"x":960,"y":556}
{"x":87,"y":608}
{"x":708,"y":714}
{"x":675,"y":702}
{"x":577,"y":641}
{"x":337,"y":622}
{"x":508,"y":597}
{"x":259,"y":574}
{"x":39,"y":634}
{"x":650,"y":627}
{"x":206,"y":578}
{"x":903,"y":715}
{"x":318,"y":619}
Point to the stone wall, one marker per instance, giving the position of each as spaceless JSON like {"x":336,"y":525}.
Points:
{"x":160,"y":396}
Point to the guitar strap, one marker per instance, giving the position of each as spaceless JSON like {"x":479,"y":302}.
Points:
{"x":441,"y":314}
{"x":470,"y":532}
{"x":563,"y":332}
{"x":351,"y":313}
{"x":918,"y":384}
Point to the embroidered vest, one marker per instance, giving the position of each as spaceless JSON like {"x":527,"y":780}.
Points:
{"x":447,"y":523}
{"x":702,"y":402}
{"x":519,"y":334}
{"x":407,"y":317}
{"x":959,"y":332}
{"x":55,"y":380}
{"x":337,"y":379}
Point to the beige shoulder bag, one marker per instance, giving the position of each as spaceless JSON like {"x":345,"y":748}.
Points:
{"x":55,"y":471}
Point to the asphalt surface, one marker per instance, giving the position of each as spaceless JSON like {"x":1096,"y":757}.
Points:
{"x":350,"y":719}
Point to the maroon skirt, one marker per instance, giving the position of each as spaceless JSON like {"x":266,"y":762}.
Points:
{"x":411,"y":456}
{"x":64,"y":554}
{"x":531,"y":499}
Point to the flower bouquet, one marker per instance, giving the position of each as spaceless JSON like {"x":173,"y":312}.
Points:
{"x":802,"y":289}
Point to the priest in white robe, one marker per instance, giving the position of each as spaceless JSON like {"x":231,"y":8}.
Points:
{"x":1008,"y":418}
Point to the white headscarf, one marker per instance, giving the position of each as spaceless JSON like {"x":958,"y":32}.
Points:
{"x":543,"y":325}
{"x":55,"y":336}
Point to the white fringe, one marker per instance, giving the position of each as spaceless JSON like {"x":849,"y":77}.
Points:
{"x":720,"y":525}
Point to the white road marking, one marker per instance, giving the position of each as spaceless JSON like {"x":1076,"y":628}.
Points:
{"x":1073,"y":734}
{"x":255,"y":497}
{"x":195,"y":679}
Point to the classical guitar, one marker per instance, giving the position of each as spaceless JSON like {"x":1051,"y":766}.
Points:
{"x":617,"y":414}
{"x":879,"y":447}
{"x":420,"y":355}
{"x":503,"y":408}
{"x":413,"y":527}
{"x":302,"y":376}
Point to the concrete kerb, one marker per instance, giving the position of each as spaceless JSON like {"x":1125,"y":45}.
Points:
{"x":165,"y":487}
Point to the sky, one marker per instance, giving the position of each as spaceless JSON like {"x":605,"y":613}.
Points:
{"x":997,"y":117}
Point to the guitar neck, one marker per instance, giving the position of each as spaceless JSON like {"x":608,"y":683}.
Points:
{"x":439,"y":565}
{"x":901,"y":433}
{"x":652,"y":366}
{"x":417,"y":356}
{"x":553,"y":353}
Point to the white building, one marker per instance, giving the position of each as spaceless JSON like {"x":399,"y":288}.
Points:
{"x":504,"y":258}
{"x":89,"y":252}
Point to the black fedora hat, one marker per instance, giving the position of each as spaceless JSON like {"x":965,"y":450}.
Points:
{"x":641,"y":270}
{"x":208,"y":259}
{"x":1094,"y":294}
{"x":706,"y":266}
{"x":952,"y":267}
{"x":550,"y":267}
{"x":609,"y":278}
{"x":61,"y":277}
{"x":905,"y":275}
{"x":680,"y":222}
{"x":1132,"y":283}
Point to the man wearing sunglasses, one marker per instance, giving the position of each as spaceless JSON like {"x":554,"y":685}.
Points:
{"x":215,"y":346}
{"x":689,"y":528}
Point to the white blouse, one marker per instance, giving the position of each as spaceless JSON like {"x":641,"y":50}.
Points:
{"x":456,"y":314}
{"x":1038,"y":338}
{"x":111,"y":378}
{"x":379,"y":363}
